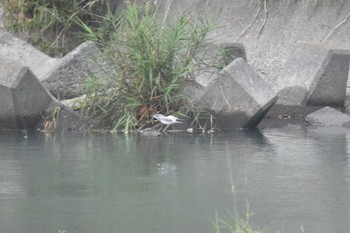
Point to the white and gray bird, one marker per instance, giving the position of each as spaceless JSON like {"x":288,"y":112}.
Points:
{"x":167,"y":120}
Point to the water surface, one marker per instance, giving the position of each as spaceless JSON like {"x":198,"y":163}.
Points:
{"x":293,"y":179}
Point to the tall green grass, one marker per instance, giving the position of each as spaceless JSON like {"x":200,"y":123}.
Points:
{"x":154,"y":61}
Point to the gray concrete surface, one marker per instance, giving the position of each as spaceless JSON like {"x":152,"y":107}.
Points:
{"x":268,"y":44}
{"x":67,"y":77}
{"x":20,"y":52}
{"x":22,"y":97}
{"x":286,"y":27}
{"x":66,"y":120}
{"x":238,"y":98}
{"x":315,"y":76}
{"x":25,"y":102}
{"x":328,"y":116}
{"x":63,"y":77}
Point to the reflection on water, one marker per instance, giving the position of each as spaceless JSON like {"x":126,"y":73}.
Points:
{"x":293,"y":179}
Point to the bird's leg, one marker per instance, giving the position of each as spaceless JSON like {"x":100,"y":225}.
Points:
{"x":160,"y":128}
{"x":165,"y":128}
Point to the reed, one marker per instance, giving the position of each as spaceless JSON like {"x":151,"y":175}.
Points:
{"x":154,"y":61}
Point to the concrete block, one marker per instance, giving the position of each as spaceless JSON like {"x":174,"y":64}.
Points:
{"x":216,"y":56}
{"x":231,"y":51}
{"x":67,"y":78}
{"x":328,"y":116}
{"x":20,"y":52}
{"x":238,"y":98}
{"x":63,"y":77}
{"x":22,"y":97}
{"x":314,"y":76}
{"x":60,"y":119}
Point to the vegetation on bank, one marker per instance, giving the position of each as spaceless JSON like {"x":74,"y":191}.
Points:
{"x":154,"y":57}
{"x":154,"y":60}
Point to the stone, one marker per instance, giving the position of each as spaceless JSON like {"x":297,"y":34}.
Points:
{"x":314,"y":76}
{"x":74,"y":103}
{"x":149,"y":132}
{"x":22,"y":97}
{"x":328,"y":116}
{"x":67,"y":78}
{"x":238,"y":98}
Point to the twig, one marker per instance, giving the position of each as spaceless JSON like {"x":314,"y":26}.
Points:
{"x":336,"y":27}
{"x":246,"y":29}
{"x":265,"y":20}
{"x":223,"y":96}
{"x":230,"y":172}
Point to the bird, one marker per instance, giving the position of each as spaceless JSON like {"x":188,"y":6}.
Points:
{"x":167,"y":120}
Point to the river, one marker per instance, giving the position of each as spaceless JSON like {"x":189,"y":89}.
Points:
{"x":292,"y":179}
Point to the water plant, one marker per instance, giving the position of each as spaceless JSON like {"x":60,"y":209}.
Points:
{"x":154,"y":60}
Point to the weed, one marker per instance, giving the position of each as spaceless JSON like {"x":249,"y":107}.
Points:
{"x":234,"y":224}
{"x":154,"y":62}
{"x":51,"y":121}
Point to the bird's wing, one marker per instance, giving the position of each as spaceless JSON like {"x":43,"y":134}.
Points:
{"x":174,"y":118}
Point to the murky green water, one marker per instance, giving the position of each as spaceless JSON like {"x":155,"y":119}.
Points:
{"x":294,"y":179}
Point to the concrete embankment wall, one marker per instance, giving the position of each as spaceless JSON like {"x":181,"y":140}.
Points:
{"x":269,"y":42}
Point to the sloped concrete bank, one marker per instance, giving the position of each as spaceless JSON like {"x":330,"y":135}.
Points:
{"x":270,"y":41}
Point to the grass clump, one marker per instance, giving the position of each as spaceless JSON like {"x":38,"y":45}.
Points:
{"x":154,"y":61}
{"x":153,"y":57}
{"x":235,"y":224}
